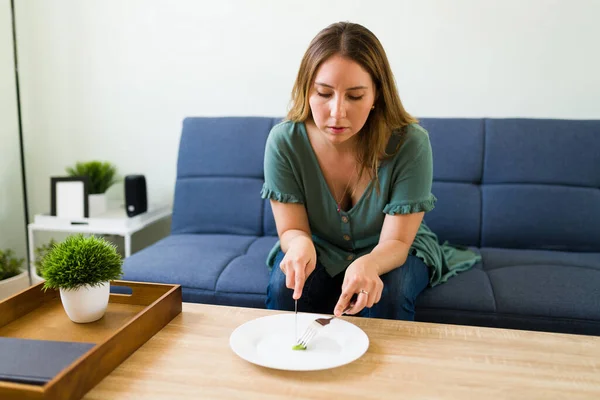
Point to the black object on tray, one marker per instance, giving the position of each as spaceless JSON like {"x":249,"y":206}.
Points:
{"x":36,"y":362}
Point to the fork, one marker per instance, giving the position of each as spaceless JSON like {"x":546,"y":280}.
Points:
{"x":314,"y":327}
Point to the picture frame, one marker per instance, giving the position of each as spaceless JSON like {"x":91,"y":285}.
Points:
{"x":69,"y":196}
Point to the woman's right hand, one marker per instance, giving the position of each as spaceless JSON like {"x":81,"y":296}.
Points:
{"x":298,"y":263}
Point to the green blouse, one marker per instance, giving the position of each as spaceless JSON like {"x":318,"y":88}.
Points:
{"x":293,"y":175}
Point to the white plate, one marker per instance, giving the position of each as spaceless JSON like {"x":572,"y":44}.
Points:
{"x":268,"y":342}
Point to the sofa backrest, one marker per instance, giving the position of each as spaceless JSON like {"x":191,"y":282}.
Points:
{"x":220,"y":175}
{"x":513,"y":183}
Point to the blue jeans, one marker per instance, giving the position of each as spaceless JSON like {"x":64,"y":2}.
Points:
{"x":321,"y":292}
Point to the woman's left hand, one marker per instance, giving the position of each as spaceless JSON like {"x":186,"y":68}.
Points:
{"x":361,"y":278}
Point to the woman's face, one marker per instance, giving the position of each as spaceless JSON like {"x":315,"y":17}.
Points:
{"x":341,"y":98}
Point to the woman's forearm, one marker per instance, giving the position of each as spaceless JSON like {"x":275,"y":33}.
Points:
{"x":388,"y":255}
{"x":293,"y":235}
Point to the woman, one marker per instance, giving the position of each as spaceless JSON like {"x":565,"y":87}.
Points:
{"x":349,"y":177}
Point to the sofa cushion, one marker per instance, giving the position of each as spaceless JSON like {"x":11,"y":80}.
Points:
{"x":459,"y":204}
{"x":470,"y":290}
{"x":543,"y":151}
{"x":542,"y":217}
{"x":457,"y":145}
{"x":523,"y":289}
{"x":500,"y":258}
{"x":215,"y":269}
{"x":195,"y":261}
{"x":221,"y":199}
{"x":226,"y":147}
{"x":248,"y":273}
{"x":220,"y":174}
{"x":549,"y":284}
{"x":541,"y":184}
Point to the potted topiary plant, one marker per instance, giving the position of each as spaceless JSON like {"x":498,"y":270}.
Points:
{"x":37,"y":275}
{"x":13,"y":278}
{"x":101,"y":175}
{"x":81,"y":268}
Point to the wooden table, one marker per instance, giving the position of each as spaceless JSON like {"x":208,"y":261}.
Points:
{"x":191,"y":359}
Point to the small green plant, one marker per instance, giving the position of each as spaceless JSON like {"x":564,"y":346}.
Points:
{"x":40,"y":253}
{"x":80,"y":261}
{"x":101,"y":175}
{"x":10,"y":265}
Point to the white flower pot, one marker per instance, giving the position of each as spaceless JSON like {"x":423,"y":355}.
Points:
{"x":13,"y":285}
{"x":85,"y":303}
{"x":97,"y":204}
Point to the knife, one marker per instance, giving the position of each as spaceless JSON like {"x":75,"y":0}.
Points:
{"x":296,"y":319}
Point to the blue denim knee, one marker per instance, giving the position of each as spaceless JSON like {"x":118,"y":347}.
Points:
{"x":279,"y":297}
{"x":401,"y":286}
{"x":319,"y":295}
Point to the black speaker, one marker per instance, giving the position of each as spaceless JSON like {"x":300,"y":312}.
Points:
{"x":136,"y":196}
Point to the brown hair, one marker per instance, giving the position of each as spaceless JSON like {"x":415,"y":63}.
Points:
{"x":359,"y":44}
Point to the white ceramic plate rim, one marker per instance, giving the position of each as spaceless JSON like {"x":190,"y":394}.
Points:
{"x":242,"y":337}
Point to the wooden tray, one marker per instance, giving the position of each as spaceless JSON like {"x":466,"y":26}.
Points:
{"x":129,"y":322}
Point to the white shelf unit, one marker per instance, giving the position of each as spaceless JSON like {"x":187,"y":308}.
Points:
{"x":113,"y":222}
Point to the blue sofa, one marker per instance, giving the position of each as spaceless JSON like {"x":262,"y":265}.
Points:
{"x":524,"y":193}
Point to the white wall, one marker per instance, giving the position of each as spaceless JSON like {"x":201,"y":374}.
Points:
{"x":12,"y":225}
{"x":113,"y":79}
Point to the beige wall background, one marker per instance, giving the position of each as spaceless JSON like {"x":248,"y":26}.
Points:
{"x":112,"y":79}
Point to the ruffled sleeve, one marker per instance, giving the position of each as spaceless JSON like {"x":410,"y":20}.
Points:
{"x":424,"y":205}
{"x":281,"y":180}
{"x":412,"y":178}
{"x":271,"y":194}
